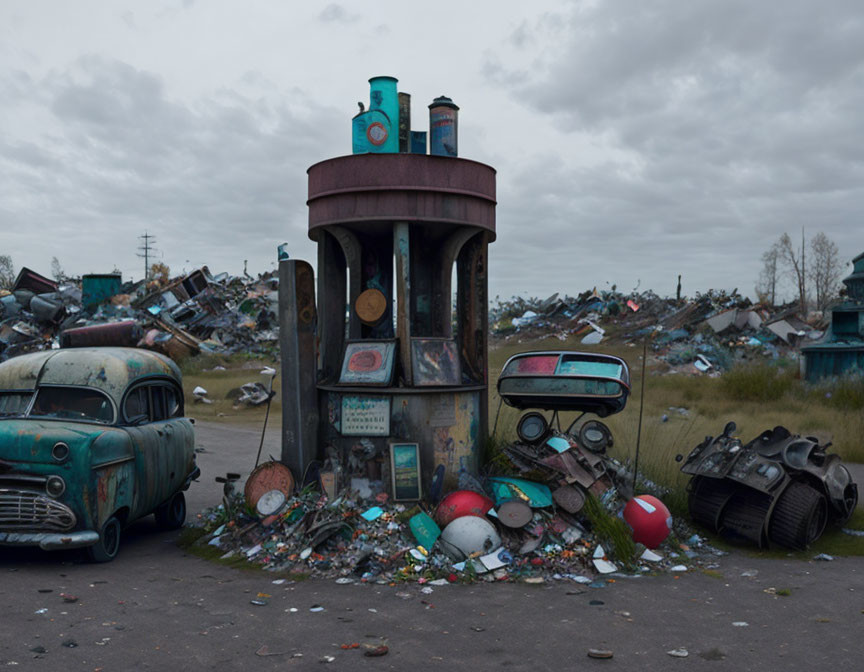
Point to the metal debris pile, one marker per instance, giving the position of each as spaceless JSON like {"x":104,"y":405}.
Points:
{"x":194,"y":313}
{"x":702,"y":335}
{"x":372,"y":539}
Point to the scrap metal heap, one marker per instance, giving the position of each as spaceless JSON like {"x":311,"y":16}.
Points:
{"x":194,"y":313}
{"x":702,"y":335}
{"x":561,"y":524}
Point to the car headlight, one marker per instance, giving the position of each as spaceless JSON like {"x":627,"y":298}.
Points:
{"x":60,"y":451}
{"x":55,"y":486}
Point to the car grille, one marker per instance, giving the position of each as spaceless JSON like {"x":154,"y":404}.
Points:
{"x":28,"y":510}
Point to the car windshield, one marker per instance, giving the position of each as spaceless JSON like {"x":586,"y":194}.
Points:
{"x":72,"y":403}
{"x":14,"y":402}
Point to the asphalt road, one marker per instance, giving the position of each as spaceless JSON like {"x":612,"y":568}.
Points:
{"x":156,"y":608}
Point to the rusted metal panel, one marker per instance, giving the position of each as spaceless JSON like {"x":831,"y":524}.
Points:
{"x":332,"y":291}
{"x":33,"y":281}
{"x":367,"y":188}
{"x":297,"y":323}
{"x":402,"y":252}
{"x":404,"y":122}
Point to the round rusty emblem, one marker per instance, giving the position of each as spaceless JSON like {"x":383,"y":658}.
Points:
{"x":266,"y":477}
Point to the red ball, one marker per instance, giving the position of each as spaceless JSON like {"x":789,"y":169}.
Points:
{"x":462,"y":503}
{"x":649,"y":519}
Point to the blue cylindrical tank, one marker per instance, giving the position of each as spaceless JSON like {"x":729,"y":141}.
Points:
{"x":384,"y":97}
{"x":443,"y":127}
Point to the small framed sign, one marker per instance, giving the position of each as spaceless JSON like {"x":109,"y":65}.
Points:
{"x":368,"y":363}
{"x":365,"y":416}
{"x":405,"y":471}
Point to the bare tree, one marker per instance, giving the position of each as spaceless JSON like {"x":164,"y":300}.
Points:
{"x":825,"y":269}
{"x":769,"y":276}
{"x":7,"y":272}
{"x":57,"y":270}
{"x":793,"y":260}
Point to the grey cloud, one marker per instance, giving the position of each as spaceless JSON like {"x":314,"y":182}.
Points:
{"x":741,"y":121}
{"x":219,"y":180}
{"x":335,"y":13}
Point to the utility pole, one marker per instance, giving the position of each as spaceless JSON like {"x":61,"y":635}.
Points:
{"x":145,"y":249}
{"x":803,"y":277}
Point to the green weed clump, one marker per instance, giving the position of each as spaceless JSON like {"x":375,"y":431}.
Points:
{"x":757,"y":382}
{"x":612,"y":531}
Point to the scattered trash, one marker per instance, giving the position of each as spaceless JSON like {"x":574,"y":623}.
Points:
{"x":376,"y":652}
{"x":824,"y":557}
{"x":678,"y":653}
{"x":740,"y":624}
{"x":599,"y":653}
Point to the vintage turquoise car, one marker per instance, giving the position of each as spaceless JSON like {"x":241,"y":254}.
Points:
{"x":91,"y":439}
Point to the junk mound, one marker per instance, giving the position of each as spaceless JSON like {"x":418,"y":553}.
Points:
{"x":569,"y":522}
{"x":778,"y":489}
{"x":702,"y":335}
{"x":193,"y":313}
{"x":360,"y":535}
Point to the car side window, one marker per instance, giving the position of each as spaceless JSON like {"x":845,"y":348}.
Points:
{"x":154,"y":402}
{"x":173,"y":403}
{"x":159,"y":403}
{"x":137,"y":405}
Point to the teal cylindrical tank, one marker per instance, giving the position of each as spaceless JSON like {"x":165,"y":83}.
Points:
{"x":443,"y":127}
{"x":371,"y":130}
{"x":384,"y":97}
{"x":99,"y":287}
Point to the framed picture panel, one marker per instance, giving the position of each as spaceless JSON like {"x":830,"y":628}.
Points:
{"x":368,"y":363}
{"x":405,"y":471}
{"x":435,"y":361}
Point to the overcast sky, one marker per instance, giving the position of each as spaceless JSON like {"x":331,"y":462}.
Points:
{"x":634,"y":140}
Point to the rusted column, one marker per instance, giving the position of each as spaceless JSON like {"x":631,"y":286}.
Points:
{"x":449,"y":253}
{"x":332,"y":290}
{"x":297,"y":320}
{"x":353,"y":252}
{"x":402,"y":254}
{"x":472,"y":315}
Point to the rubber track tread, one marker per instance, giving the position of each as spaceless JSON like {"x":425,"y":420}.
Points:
{"x":791,"y":518}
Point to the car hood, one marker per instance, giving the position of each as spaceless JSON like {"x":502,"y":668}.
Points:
{"x":23,"y":440}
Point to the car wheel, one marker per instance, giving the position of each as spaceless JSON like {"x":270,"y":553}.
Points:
{"x":172,"y":514}
{"x":799,"y":517}
{"x":106,"y":549}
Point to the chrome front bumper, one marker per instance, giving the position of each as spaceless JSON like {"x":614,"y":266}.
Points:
{"x":49,"y":541}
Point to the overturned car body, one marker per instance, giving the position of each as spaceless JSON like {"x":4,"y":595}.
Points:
{"x":574,"y":461}
{"x":779,"y":489}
